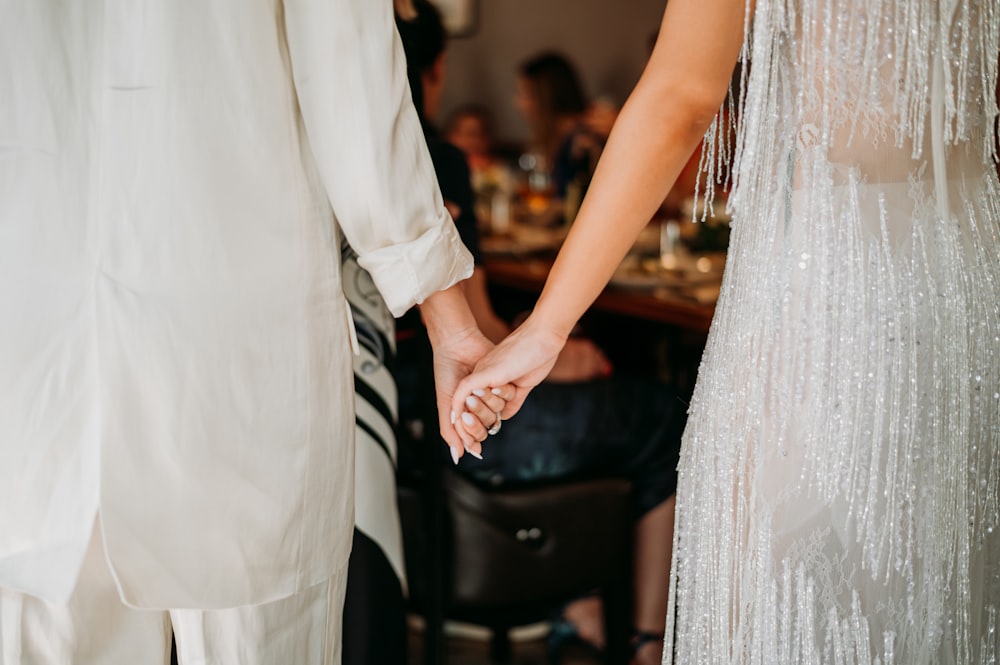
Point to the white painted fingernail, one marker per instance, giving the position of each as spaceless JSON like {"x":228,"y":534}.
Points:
{"x":473,"y":452}
{"x":452,"y":417}
{"x":479,"y":393}
{"x":454,"y":455}
{"x":467,"y":418}
{"x":497,"y":391}
{"x":471,"y":402}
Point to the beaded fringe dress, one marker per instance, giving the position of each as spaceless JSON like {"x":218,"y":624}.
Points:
{"x":839,"y":478}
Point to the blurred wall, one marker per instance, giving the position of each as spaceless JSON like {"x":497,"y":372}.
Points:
{"x":607,"y":40}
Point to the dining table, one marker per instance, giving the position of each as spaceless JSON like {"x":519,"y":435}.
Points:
{"x":677,"y":290}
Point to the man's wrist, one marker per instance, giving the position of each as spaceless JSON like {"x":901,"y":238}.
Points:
{"x":447,"y":316}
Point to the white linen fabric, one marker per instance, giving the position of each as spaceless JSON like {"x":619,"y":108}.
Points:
{"x":839,"y":483}
{"x":302,"y":629}
{"x":174,"y":346}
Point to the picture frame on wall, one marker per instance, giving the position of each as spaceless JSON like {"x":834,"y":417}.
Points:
{"x":461,"y":17}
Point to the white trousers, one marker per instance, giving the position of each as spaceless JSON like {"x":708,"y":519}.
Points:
{"x":95,"y":628}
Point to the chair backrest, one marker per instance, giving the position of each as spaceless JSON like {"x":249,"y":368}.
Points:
{"x":535,"y":546}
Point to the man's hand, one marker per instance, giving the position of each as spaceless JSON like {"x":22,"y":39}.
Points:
{"x":458,"y":345}
{"x":454,"y":359}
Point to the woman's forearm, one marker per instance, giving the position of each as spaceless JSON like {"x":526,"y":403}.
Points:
{"x":659,"y":127}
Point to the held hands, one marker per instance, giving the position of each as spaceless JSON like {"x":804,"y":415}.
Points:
{"x":517,"y":365}
{"x":579,"y":361}
{"x":458,"y":346}
{"x":465,"y":429}
{"x":478,"y":384}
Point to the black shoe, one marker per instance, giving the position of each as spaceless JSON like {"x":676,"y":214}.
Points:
{"x":641,"y":638}
{"x":563,"y":637}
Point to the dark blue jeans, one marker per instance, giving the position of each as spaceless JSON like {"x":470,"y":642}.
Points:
{"x":620,"y":426}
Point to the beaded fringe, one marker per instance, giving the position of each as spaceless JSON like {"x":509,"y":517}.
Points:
{"x":839,"y":495}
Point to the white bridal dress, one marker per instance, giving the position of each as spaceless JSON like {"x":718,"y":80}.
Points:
{"x":838,"y":496}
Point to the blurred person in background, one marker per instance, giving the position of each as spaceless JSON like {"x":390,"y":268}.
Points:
{"x":566,"y":130}
{"x":470,"y":129}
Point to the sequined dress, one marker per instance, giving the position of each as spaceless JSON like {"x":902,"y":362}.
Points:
{"x":839,"y":477}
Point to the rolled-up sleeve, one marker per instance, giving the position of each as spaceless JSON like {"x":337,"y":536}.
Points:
{"x":350,"y":80}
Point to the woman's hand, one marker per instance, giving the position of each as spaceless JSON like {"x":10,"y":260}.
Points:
{"x":522,"y":360}
{"x":482,"y":415}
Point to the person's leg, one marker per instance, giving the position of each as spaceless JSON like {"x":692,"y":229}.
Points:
{"x":651,"y":579}
{"x":586,"y":615}
{"x":655,"y":423}
{"x":374,"y":611}
{"x":653,"y":552}
{"x":653,"y":547}
{"x":94,"y":627}
{"x":628,"y":427}
{"x":302,"y":629}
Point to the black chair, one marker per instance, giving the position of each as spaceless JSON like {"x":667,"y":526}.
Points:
{"x":508,"y":557}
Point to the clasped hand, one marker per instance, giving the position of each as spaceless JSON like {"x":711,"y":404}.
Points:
{"x":477,"y":384}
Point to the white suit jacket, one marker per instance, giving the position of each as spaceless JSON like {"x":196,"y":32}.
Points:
{"x":174,"y":341}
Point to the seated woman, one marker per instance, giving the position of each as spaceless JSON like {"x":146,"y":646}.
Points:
{"x":566,"y":131}
{"x":583,"y":420}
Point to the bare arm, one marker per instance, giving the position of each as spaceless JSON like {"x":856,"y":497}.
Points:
{"x":580,"y":359}
{"x":660,"y":125}
{"x":662,"y":122}
{"x":492,"y":325}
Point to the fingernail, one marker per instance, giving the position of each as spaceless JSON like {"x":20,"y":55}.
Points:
{"x":452,"y":417}
{"x":454,"y":455}
{"x":479,"y":393}
{"x":497,"y":391}
{"x":473,"y":452}
{"x":467,"y":418}
{"x":470,"y":402}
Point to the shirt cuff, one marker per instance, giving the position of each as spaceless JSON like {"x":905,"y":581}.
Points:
{"x":406,"y":273}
